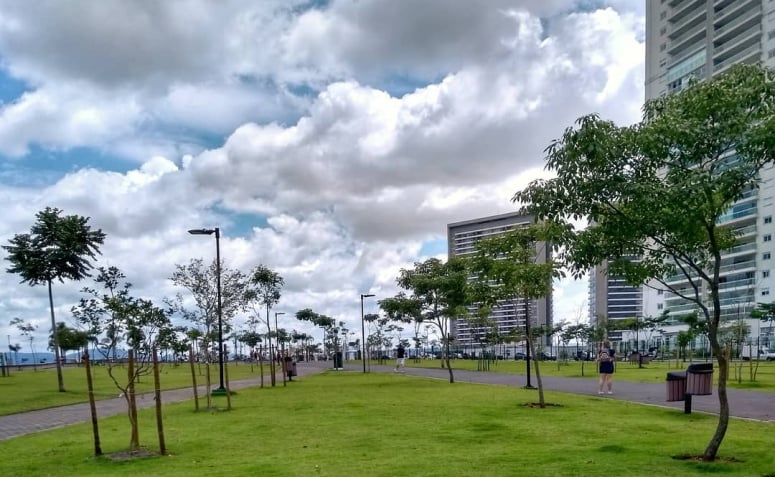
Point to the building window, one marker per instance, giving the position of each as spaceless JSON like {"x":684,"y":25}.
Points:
{"x":765,"y":291}
{"x":771,"y":34}
{"x":662,"y":31}
{"x":766,"y":256}
{"x":771,"y":53}
{"x":663,"y":15}
{"x":768,"y":219}
{"x":767,"y":237}
{"x":660,"y":291}
{"x":663,"y":47}
{"x":765,"y":274}
{"x":660,"y":306}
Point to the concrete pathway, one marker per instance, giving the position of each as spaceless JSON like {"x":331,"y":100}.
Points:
{"x":743,"y":404}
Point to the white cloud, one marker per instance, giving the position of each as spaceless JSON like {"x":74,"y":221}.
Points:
{"x":336,"y":191}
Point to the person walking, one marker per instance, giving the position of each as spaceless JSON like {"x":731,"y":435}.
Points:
{"x":605,"y":362}
{"x":400,"y":357}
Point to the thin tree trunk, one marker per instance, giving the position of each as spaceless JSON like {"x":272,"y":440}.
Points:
{"x":261,"y":363}
{"x":157,"y":397}
{"x":134,"y":438}
{"x":55,"y":338}
{"x":193,"y":376}
{"x":536,"y":367}
{"x":531,"y":345}
{"x":446,"y":358}
{"x":92,"y":404}
{"x":711,"y":451}
{"x":228,"y":391}
{"x":208,"y":383}
{"x":271,"y":356}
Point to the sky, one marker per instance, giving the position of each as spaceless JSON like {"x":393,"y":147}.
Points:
{"x":331,"y":141}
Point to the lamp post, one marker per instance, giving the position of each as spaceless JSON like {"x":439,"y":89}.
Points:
{"x":363,"y":332}
{"x":221,"y":389}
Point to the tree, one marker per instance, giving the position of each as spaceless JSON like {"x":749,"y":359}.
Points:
{"x":69,"y":339}
{"x":659,"y":190}
{"x":202,"y":283}
{"x":766,"y":313}
{"x":438,"y":293}
{"x":263,"y":287}
{"x":116,"y":316}
{"x":57,"y":248}
{"x":330,"y":329}
{"x":15,"y":348}
{"x":28,"y":330}
{"x":515,"y":265}
{"x":581,"y":333}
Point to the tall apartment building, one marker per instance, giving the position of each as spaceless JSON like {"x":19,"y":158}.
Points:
{"x":612,"y":298}
{"x":702,"y":38}
{"x":461,"y":241}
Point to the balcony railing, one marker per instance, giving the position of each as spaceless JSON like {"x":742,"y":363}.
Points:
{"x":720,"y":32}
{"x":685,"y":7}
{"x":682,"y":40}
{"x":753,"y":33}
{"x":688,"y":21}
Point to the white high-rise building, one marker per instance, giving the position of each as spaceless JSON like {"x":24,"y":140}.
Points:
{"x":702,"y":38}
{"x":461,"y":242}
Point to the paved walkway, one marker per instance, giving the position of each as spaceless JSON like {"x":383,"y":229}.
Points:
{"x":743,"y":404}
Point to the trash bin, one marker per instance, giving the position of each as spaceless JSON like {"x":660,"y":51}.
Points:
{"x":699,"y":379}
{"x":676,"y":385}
{"x":289,"y":367}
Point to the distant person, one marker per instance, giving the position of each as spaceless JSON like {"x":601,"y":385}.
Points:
{"x":605,"y":360}
{"x":400,"y":357}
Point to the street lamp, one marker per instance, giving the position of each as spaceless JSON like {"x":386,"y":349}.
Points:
{"x":363,"y":332}
{"x":221,"y":389}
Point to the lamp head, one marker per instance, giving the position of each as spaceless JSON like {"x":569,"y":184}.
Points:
{"x":201,"y":231}
{"x":367,"y":295}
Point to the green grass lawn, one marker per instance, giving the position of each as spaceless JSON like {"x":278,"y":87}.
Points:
{"x":339,"y":424}
{"x":39,"y":387}
{"x":652,"y":372}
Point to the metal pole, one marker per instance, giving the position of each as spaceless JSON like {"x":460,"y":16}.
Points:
{"x":363,"y":331}
{"x":220,"y":310}
{"x":363,"y":338}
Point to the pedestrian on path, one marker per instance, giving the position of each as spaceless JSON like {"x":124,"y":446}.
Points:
{"x":400,"y":357}
{"x":605,"y":362}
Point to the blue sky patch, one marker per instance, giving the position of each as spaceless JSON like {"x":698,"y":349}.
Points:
{"x":42,"y":167}
{"x":11,"y":89}
{"x":434,"y":247}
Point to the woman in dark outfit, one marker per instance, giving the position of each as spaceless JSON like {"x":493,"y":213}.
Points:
{"x":605,"y":360}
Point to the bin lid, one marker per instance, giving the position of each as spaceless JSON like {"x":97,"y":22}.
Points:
{"x":700,"y":368}
{"x":676,"y":375}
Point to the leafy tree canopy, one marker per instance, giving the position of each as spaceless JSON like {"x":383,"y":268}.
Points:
{"x":57,"y":248}
{"x":659,"y":190}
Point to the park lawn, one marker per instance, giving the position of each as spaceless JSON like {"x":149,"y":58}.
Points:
{"x":625,"y":371}
{"x":350,"y":423}
{"x":30,"y":389}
